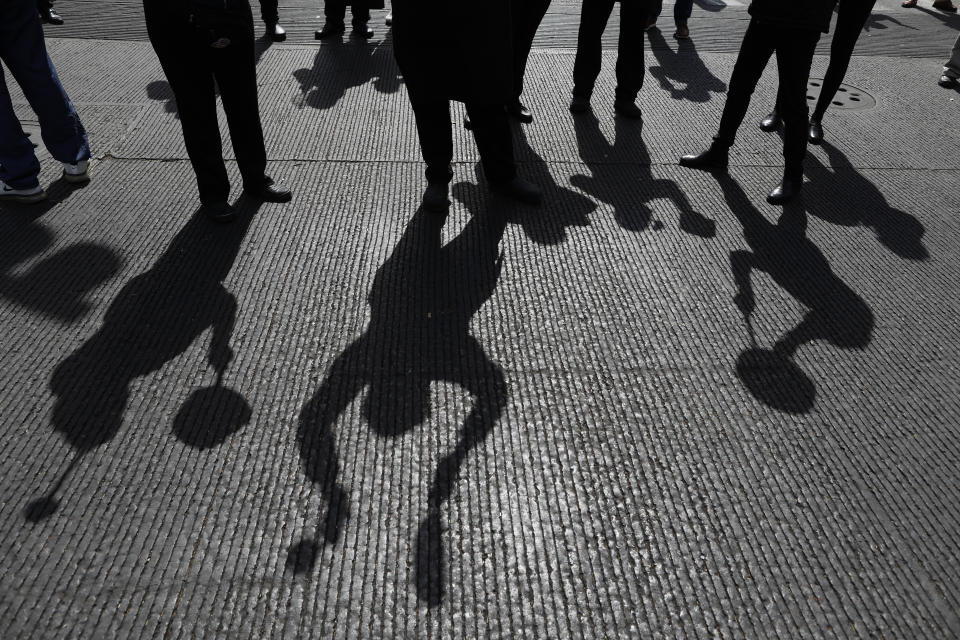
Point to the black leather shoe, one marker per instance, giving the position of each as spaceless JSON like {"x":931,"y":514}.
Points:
{"x":520,"y":112}
{"x":772,"y":122}
{"x":362,"y":30}
{"x":815,"y":135}
{"x":276,"y":33}
{"x":518,"y":189}
{"x":947,"y":82}
{"x":389,"y":19}
{"x":269,"y":191}
{"x":714,"y":158}
{"x":50,"y":16}
{"x":785,"y":191}
{"x":329,"y":29}
{"x":435,"y":197}
{"x":627,"y":109}
{"x":580,"y":104}
{"x":219,"y":211}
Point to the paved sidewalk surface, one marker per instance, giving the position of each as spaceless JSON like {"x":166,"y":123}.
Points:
{"x":655,"y":406}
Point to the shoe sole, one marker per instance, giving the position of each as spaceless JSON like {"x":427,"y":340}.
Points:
{"x":21,"y":199}
{"x":76,"y":178}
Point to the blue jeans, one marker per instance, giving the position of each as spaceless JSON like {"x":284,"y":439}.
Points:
{"x":681,"y":9}
{"x":23,"y":50}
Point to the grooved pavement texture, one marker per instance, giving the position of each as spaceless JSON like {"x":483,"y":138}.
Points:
{"x":654,"y":407}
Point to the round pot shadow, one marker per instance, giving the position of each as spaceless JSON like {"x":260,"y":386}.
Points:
{"x":41,"y":508}
{"x":210,"y":416}
{"x":776,"y":380}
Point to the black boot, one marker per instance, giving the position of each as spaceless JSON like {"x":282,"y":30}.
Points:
{"x":519,"y":111}
{"x":269,"y":191}
{"x":50,"y":16}
{"x":329,"y":29}
{"x":772,"y":122}
{"x":786,"y":191}
{"x":362,"y":30}
{"x":276,"y":33}
{"x":815,"y":135}
{"x":714,"y":158}
{"x":435,"y":197}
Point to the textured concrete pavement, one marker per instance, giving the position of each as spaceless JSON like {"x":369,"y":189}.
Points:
{"x":655,"y":406}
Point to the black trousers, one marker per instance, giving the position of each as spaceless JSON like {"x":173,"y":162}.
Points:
{"x":794,"y":49}
{"x":630,"y":65}
{"x":43,"y":5}
{"x":527,"y":15}
{"x":851,"y":16}
{"x":269,"y":11}
{"x":191,"y":66}
{"x":336,"y":11}
{"x":491,"y":130}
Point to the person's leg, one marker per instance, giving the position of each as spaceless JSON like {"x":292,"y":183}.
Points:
{"x":19,"y":167}
{"x":436,"y":137}
{"x":682,"y":10}
{"x":630,"y":61}
{"x":187,"y":66}
{"x":794,"y":56}
{"x":656,"y":8}
{"x":235,"y":70}
{"x":491,"y":131}
{"x":360,"y":13}
{"x":586,"y":66}
{"x":334,"y":11}
{"x":851,"y":16}
{"x":23,"y":49}
{"x":952,"y":67}
{"x":526,"y":20}
{"x":755,"y":51}
{"x":269,"y":12}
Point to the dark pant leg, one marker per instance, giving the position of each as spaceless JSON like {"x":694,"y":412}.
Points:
{"x":334,"y":10}
{"x":24,"y":51}
{"x":851,"y":16}
{"x":436,"y":137}
{"x":795,"y":50}
{"x":586,"y":67}
{"x":235,"y":70}
{"x":527,"y":15}
{"x":491,"y":131}
{"x":43,"y":5}
{"x":19,"y":166}
{"x":682,"y":10}
{"x":630,"y":63}
{"x":656,"y":8}
{"x":186,"y":63}
{"x":755,"y":51}
{"x":269,"y":11}
{"x":360,"y":13}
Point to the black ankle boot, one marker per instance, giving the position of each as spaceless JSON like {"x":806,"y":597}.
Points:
{"x":786,"y":191}
{"x":772,"y":122}
{"x":815,"y":135}
{"x":714,"y":158}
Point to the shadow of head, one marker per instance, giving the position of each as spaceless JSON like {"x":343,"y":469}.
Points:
{"x":210,"y":416}
{"x":774,"y":379}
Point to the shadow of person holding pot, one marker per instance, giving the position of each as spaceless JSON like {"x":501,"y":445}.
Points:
{"x":621,"y":176}
{"x":154,"y":319}
{"x":421,"y":303}
{"x":835,"y":313}
{"x":339,"y":67}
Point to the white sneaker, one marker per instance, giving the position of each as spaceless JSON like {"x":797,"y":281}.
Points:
{"x":79,"y":172}
{"x":9,"y":194}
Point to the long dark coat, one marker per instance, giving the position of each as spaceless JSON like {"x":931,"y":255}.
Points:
{"x":455,"y":49}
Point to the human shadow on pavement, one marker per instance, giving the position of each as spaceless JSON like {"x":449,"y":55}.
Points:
{"x":879,"y":21}
{"x":562,"y":208}
{"x":161,"y":91}
{"x":339,"y":67}
{"x":621,"y":176}
{"x":57,"y":285}
{"x":834,"y":311}
{"x":154,"y":319}
{"x":951,"y":20}
{"x":421,"y":303}
{"x":843,"y":196}
{"x":682,"y":73}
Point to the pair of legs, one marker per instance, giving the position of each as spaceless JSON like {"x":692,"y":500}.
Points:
{"x":681,"y":13}
{"x":271,"y":17}
{"x":335,"y":12}
{"x":191,"y":65}
{"x":527,"y":15}
{"x":491,"y":131}
{"x":594,"y":15}
{"x":951,"y":70}
{"x":23,"y":50}
{"x":794,"y":49}
{"x":851,"y":16}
